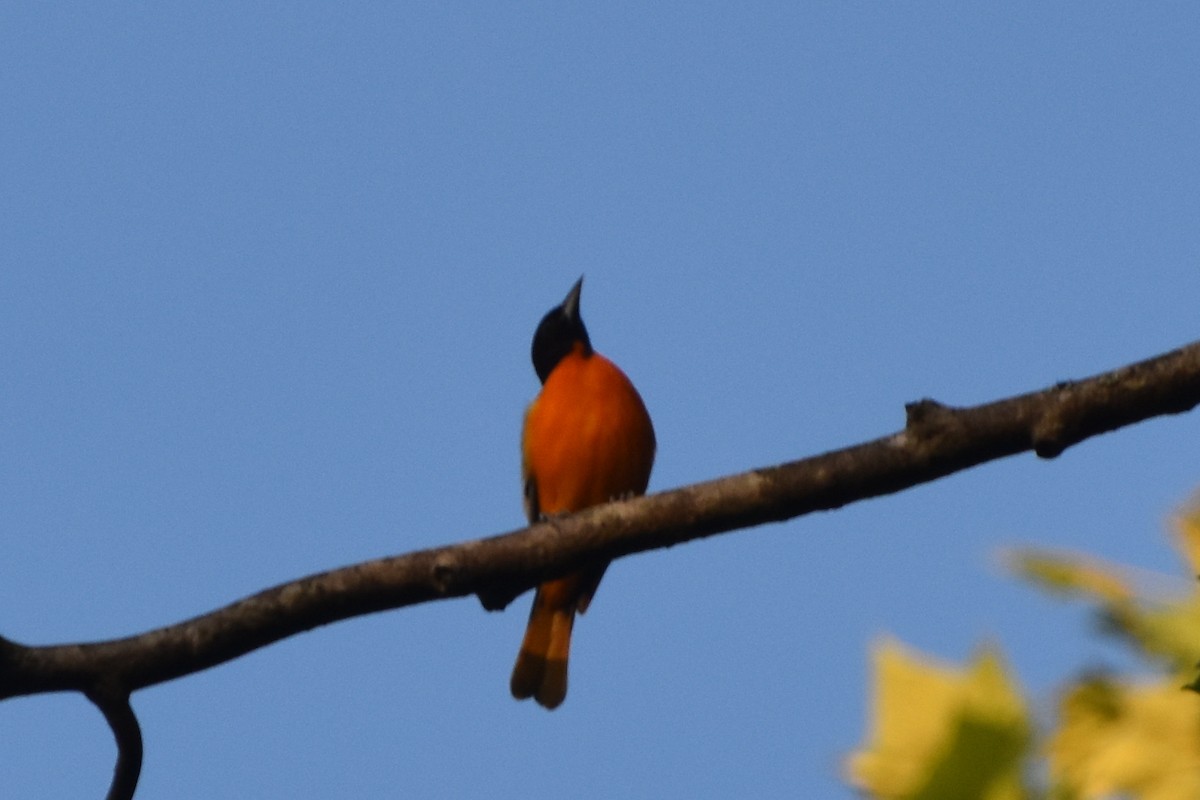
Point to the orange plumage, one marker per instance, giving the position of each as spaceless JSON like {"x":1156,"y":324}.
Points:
{"x":587,"y":439}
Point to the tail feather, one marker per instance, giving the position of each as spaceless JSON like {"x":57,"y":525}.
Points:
{"x":541,"y":668}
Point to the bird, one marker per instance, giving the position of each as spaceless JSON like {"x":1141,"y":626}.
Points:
{"x":587,"y":439}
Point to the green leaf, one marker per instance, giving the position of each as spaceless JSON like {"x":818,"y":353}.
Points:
{"x":941,"y":733}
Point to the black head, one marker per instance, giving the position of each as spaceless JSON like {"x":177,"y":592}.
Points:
{"x":558,"y":333}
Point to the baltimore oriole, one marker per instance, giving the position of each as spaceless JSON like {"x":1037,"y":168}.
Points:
{"x":587,"y":439}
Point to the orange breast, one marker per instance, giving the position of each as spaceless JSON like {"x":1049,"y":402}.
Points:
{"x":587,"y":436}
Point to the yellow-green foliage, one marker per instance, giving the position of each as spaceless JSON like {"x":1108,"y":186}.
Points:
{"x":942,"y":733}
{"x":946,"y":733}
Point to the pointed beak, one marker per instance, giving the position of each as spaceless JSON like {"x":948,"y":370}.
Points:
{"x":570,"y":306}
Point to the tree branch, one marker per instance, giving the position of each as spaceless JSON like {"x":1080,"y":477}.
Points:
{"x":937,"y":440}
{"x":114,"y":704}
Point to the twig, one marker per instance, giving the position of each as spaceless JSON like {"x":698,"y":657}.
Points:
{"x":114,"y":704}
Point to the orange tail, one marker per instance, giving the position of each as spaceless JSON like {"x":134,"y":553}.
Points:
{"x":541,"y":668}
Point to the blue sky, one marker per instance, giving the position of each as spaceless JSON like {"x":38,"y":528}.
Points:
{"x":270,"y":273}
